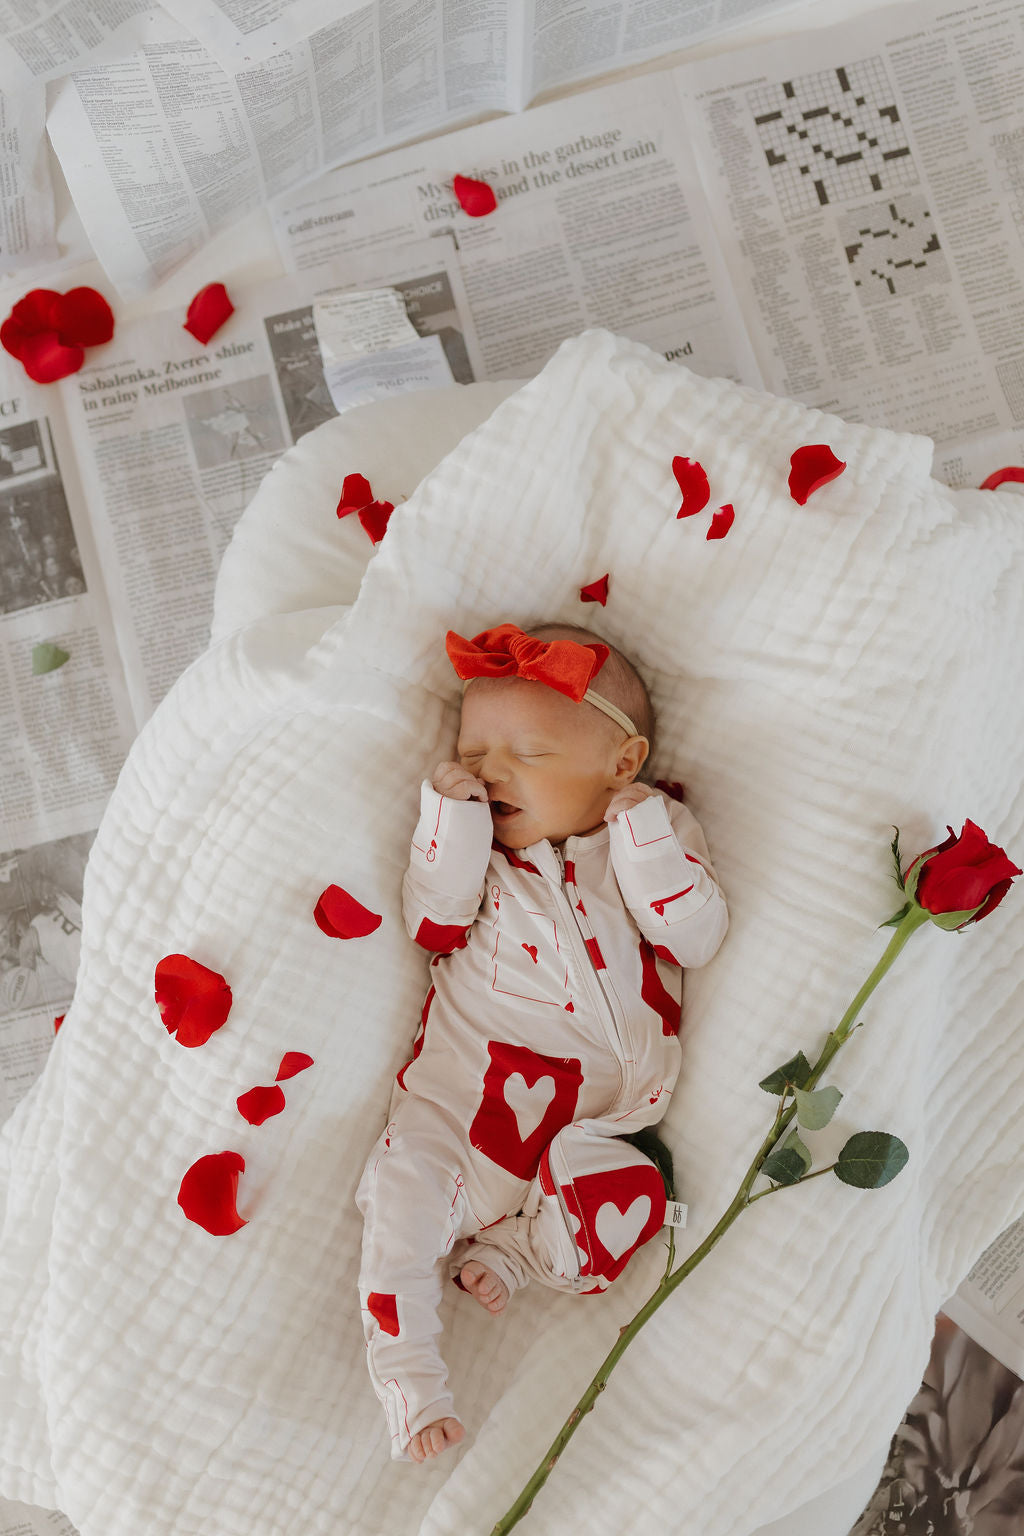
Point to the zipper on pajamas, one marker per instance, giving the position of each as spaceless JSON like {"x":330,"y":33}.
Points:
{"x":586,"y":968}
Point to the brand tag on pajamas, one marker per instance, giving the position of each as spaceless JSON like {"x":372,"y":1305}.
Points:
{"x":675,"y":1214}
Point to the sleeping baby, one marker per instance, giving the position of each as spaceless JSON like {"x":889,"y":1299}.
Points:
{"x":560,"y":899}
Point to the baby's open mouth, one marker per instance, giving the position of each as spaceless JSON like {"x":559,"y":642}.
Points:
{"x":502,"y":808}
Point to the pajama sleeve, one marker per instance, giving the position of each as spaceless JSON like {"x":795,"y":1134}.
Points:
{"x":444,"y":884}
{"x":663,"y":870}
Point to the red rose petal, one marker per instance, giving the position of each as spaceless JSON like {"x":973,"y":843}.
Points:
{"x":260,"y":1103}
{"x":475,"y":197}
{"x":374,"y":519}
{"x":45,"y":358}
{"x":208,"y":312}
{"x":596,"y":592}
{"x":13,"y":336}
{"x":58,"y":1021}
{"x":208,"y":1191}
{"x":810,"y":468}
{"x":693,"y":483}
{"x":192,"y":999}
{"x":1012,"y":472}
{"x":721,"y":522}
{"x":38,"y":311}
{"x":355,"y":493}
{"x":672,"y":788}
{"x":340,"y":916}
{"x":84,"y":318}
{"x":293,"y":1062}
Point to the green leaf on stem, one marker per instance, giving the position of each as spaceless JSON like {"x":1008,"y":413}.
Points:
{"x":897,"y":917}
{"x":813,"y":1110}
{"x":651,"y":1145}
{"x":871,"y":1159}
{"x":895,"y":845}
{"x":793,"y":1074}
{"x":789,"y":1162}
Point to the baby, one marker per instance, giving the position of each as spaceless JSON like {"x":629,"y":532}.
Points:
{"x":560,"y":899}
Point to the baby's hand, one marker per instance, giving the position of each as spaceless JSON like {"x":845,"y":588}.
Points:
{"x":627,"y":798}
{"x":457,"y":783}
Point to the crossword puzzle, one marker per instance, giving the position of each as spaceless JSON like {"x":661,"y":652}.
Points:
{"x":832,"y":136}
{"x":892,"y":248}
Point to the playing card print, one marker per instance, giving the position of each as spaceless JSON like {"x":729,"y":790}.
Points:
{"x":526,"y":1100}
{"x":527,"y":963}
{"x":614,"y":1212}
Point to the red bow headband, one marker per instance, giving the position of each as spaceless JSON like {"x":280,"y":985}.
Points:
{"x":507,"y":652}
{"x":565,"y":665}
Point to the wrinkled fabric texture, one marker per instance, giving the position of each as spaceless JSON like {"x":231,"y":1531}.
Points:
{"x":821,"y":674}
{"x":549,"y":1030}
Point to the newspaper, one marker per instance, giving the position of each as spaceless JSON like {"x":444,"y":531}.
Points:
{"x":989,"y":1304}
{"x":191,"y":147}
{"x":43,"y":39}
{"x":64,"y":732}
{"x":27,"y":232}
{"x":28,"y":1520}
{"x":601,"y":220}
{"x":869,"y":182}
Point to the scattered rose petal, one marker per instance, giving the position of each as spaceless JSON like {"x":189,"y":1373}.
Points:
{"x":596,"y":592}
{"x":46,"y":359}
{"x":693,"y":483}
{"x":58,"y":1021}
{"x":192,"y":999}
{"x":374,"y":519}
{"x":47,"y":657}
{"x":721,"y":522}
{"x":340,"y":916}
{"x":46,"y":331}
{"x":475,"y":197}
{"x":208,"y":312}
{"x":1012,"y":472}
{"x":260,"y":1103}
{"x":810,"y":468}
{"x":85,"y":317}
{"x":355,"y":493}
{"x":672,"y":788}
{"x":293,"y":1062}
{"x":208,"y":1191}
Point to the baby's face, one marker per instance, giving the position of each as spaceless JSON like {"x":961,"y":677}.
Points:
{"x":550,"y":765}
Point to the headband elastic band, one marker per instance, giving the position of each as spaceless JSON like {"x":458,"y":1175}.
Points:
{"x":611,"y":710}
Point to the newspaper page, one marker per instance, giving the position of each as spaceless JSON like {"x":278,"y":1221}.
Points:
{"x":190,"y":147}
{"x":65,"y":721}
{"x":28,"y":1520}
{"x":172,"y":440}
{"x":600,"y":222}
{"x":28,"y":234}
{"x":869,"y":182}
{"x":43,"y":39}
{"x":243,"y":32}
{"x":164,"y":148}
{"x":989,"y":1304}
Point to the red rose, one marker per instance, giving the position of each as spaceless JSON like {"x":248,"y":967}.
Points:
{"x":961,"y":880}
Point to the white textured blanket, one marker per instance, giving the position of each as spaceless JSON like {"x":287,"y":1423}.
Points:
{"x":820,"y":673}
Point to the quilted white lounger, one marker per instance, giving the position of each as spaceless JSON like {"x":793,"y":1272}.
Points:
{"x":821,"y":673}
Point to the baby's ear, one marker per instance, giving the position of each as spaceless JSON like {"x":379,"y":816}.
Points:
{"x":632,"y":756}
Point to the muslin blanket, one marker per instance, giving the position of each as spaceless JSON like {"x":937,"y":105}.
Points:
{"x":820,"y":674}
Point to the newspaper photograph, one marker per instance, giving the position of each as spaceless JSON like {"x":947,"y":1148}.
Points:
{"x":868,"y":181}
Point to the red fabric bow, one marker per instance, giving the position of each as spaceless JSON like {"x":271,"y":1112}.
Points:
{"x":506,"y":652}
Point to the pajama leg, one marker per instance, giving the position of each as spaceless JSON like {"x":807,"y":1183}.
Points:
{"x":413,"y":1203}
{"x":594,"y":1202}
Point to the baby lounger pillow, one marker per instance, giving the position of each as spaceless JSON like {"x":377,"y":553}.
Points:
{"x":820,"y":673}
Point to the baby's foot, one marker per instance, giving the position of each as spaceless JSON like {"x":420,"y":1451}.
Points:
{"x":484,"y":1286}
{"x":435,"y":1438}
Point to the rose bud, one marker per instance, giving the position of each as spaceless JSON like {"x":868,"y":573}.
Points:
{"x":961,"y":880}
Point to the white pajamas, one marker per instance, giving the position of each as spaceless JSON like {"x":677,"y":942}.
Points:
{"x":550,"y":1031}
